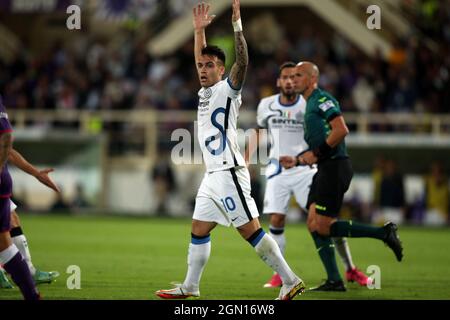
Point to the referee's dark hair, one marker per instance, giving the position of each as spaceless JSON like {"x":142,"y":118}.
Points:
{"x":288,"y":64}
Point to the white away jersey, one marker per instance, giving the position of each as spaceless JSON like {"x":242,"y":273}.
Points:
{"x":284,"y":124}
{"x":217,"y":115}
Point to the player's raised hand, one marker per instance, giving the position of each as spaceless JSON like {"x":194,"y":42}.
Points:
{"x":287,"y":162}
{"x":201,"y":19}
{"x":44,"y":178}
{"x":236,"y":10}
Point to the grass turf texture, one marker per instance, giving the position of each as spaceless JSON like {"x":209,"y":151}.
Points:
{"x":130,"y":258}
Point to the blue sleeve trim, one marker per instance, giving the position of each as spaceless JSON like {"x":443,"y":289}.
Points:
{"x":231,"y":85}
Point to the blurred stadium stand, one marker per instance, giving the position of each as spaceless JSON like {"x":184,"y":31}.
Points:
{"x":127,"y":80}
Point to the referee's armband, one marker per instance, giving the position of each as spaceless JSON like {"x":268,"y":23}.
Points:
{"x":323,"y":151}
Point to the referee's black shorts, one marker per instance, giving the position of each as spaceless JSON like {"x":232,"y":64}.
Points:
{"x":329,"y":184}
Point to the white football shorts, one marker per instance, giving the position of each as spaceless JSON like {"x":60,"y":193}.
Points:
{"x":12,"y":205}
{"x":224,"y":197}
{"x":280,"y":188}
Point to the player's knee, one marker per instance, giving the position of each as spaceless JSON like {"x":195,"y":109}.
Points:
{"x":310,"y":220}
{"x":201,"y":229}
{"x":310,"y":224}
{"x":323,"y":228}
{"x":248,"y":229}
{"x":277,"y":220}
{"x":5,"y":240}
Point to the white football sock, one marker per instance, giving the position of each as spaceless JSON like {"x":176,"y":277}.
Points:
{"x":22,"y":244}
{"x":198,"y":256}
{"x":270,"y":253}
{"x":7,"y":254}
{"x":279,"y":238}
{"x":343,"y":249}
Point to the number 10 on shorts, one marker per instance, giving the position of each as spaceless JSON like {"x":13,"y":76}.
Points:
{"x":228,"y":204}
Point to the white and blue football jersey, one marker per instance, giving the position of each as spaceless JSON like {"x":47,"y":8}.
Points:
{"x":284,"y":124}
{"x":217,"y":116}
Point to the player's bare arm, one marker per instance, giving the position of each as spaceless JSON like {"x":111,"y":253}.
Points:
{"x":201,"y":19}
{"x":5,"y":148}
{"x":41,"y":175}
{"x":239,"y":68}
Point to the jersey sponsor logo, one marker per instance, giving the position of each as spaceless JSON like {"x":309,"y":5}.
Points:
{"x":203,"y":106}
{"x":284,"y":121}
{"x":326,"y":105}
{"x":3,"y":115}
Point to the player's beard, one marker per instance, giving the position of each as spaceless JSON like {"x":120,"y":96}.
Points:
{"x":290,"y":95}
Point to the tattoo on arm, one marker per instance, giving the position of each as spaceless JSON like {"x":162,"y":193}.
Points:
{"x":239,"y":69}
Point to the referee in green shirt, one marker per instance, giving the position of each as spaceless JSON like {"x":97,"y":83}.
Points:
{"x":325,"y":132}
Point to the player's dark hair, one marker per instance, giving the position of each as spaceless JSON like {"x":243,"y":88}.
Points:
{"x":285,"y":65}
{"x":214,"y":51}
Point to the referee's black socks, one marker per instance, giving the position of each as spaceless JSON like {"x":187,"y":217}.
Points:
{"x":344,"y":228}
{"x":325,"y":249}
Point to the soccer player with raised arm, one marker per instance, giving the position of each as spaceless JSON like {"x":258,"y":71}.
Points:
{"x":10,"y":257}
{"x":325,"y":132}
{"x":282,"y":116}
{"x":17,"y":235}
{"x":224,"y":194}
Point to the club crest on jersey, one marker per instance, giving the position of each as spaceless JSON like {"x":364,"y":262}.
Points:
{"x":326,"y":105}
{"x":207,"y":93}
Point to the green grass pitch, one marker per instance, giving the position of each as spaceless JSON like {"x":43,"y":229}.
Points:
{"x":130,"y":258}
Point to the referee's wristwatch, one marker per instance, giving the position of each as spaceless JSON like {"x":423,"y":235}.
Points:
{"x":322,"y":151}
{"x":297,"y":158}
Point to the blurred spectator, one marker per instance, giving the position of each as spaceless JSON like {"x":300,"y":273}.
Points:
{"x":398,"y":55}
{"x":60,"y":205}
{"x":377,"y":177}
{"x":354,"y":209}
{"x":99,"y":73}
{"x":363,"y":95}
{"x":164,"y":184}
{"x":79,"y":201}
{"x":392,"y":195}
{"x":121,"y":74}
{"x":437,"y":196}
{"x":264,"y":33}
